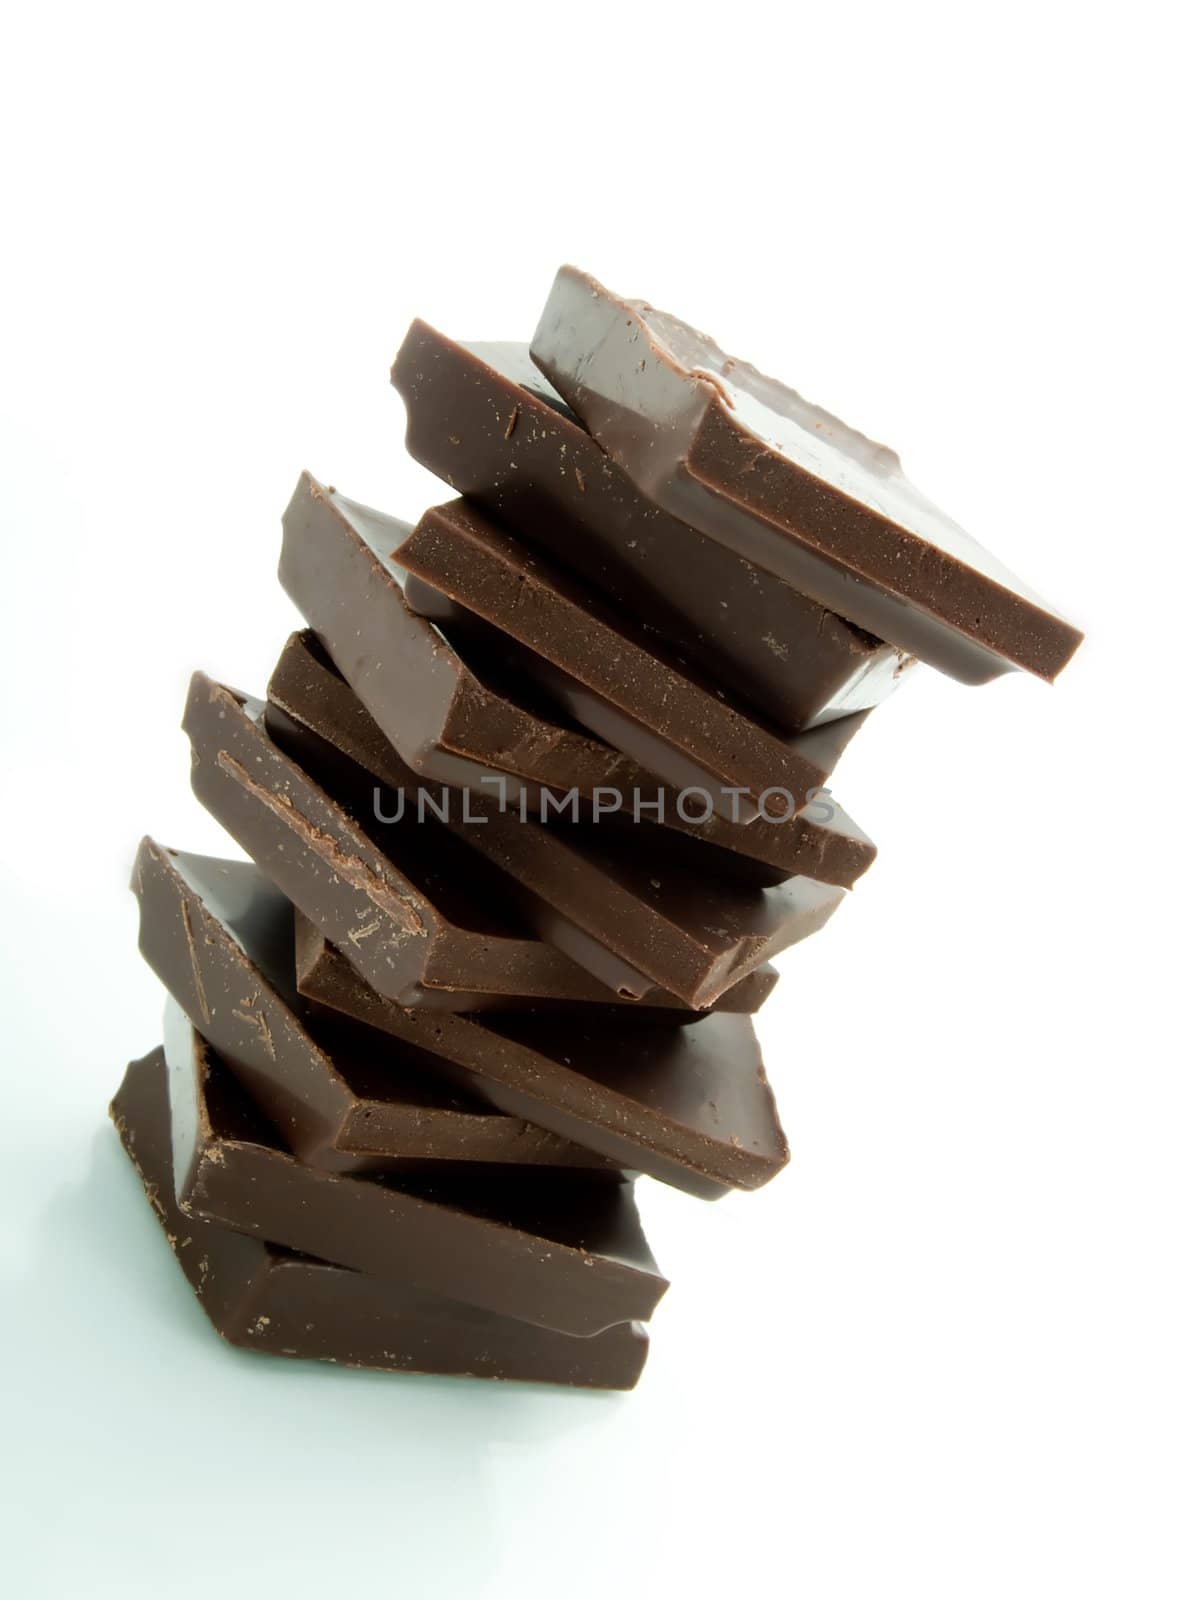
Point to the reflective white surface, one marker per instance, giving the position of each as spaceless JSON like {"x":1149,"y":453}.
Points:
{"x":952,"y":1351}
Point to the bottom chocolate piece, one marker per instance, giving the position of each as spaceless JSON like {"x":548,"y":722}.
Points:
{"x":560,"y":1249}
{"x":269,"y":1299}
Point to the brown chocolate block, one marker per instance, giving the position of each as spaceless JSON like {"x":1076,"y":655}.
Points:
{"x":407,"y":902}
{"x":609,"y":679}
{"x":486,"y":421}
{"x":612,"y":900}
{"x":744,"y":999}
{"x":697,"y":1113}
{"x":222,"y":940}
{"x":562,"y":1251}
{"x":787,"y":486}
{"x":688,"y":1105}
{"x":455,"y":713}
{"x":264,"y":1298}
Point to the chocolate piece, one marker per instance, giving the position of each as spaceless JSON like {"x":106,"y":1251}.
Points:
{"x":457,"y":716}
{"x":609,"y":680}
{"x":562,"y":1251}
{"x":688,"y":1105}
{"x":406,"y":902}
{"x":735,"y":803}
{"x":787,"y":486}
{"x":744,"y":999}
{"x":486,"y":421}
{"x":695,"y":1112}
{"x":593,"y":892}
{"x":273,"y":1300}
{"x":221,"y":938}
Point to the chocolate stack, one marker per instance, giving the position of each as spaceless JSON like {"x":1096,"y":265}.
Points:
{"x":530,"y":808}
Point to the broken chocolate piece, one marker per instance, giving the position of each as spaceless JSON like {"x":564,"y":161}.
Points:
{"x":609,"y":679}
{"x":697,"y":1113}
{"x":612,"y":900}
{"x":788,"y":487}
{"x":272,"y":1300}
{"x":484,"y":720}
{"x":486,"y":421}
{"x":744,"y":999}
{"x":562,"y":1251}
{"x":407,"y":902}
{"x":664,"y":720}
{"x":688,"y":1105}
{"x":698,"y":794}
{"x":221,"y":938}
{"x":455,"y":715}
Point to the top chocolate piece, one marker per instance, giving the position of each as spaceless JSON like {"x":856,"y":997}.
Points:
{"x":782,"y":483}
{"x":486,"y":421}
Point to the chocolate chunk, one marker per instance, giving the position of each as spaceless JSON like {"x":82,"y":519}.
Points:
{"x":221,"y":938}
{"x":456,"y":713}
{"x":560,"y":1250}
{"x":689,"y":1105}
{"x":486,"y":421}
{"x":744,"y":999}
{"x":699,"y":790}
{"x":613,"y":902}
{"x":787,"y":486}
{"x":607,"y":678}
{"x":407,"y":902}
{"x":278,"y":1302}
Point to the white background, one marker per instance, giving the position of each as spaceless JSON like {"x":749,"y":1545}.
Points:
{"x":953,"y":1350}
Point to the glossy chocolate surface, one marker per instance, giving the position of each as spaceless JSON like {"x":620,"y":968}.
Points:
{"x":456,"y":711}
{"x":744,"y":999}
{"x":688,"y":1105}
{"x":221,"y":938}
{"x":562,"y":1251}
{"x":407,"y":903}
{"x":612,"y":900}
{"x":788,"y":486}
{"x":628,"y":694}
{"x":487,"y":422}
{"x":274,"y":1301}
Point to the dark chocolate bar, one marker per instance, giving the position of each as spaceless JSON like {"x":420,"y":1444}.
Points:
{"x":609,"y":679}
{"x":744,"y":999}
{"x":275,"y":1301}
{"x":458,"y":715}
{"x":222,"y":940}
{"x":588,"y":707}
{"x":562,"y":1251}
{"x":788,"y":487}
{"x":406,"y":901}
{"x":689,"y":1105}
{"x":612,"y":900}
{"x":486,"y":421}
